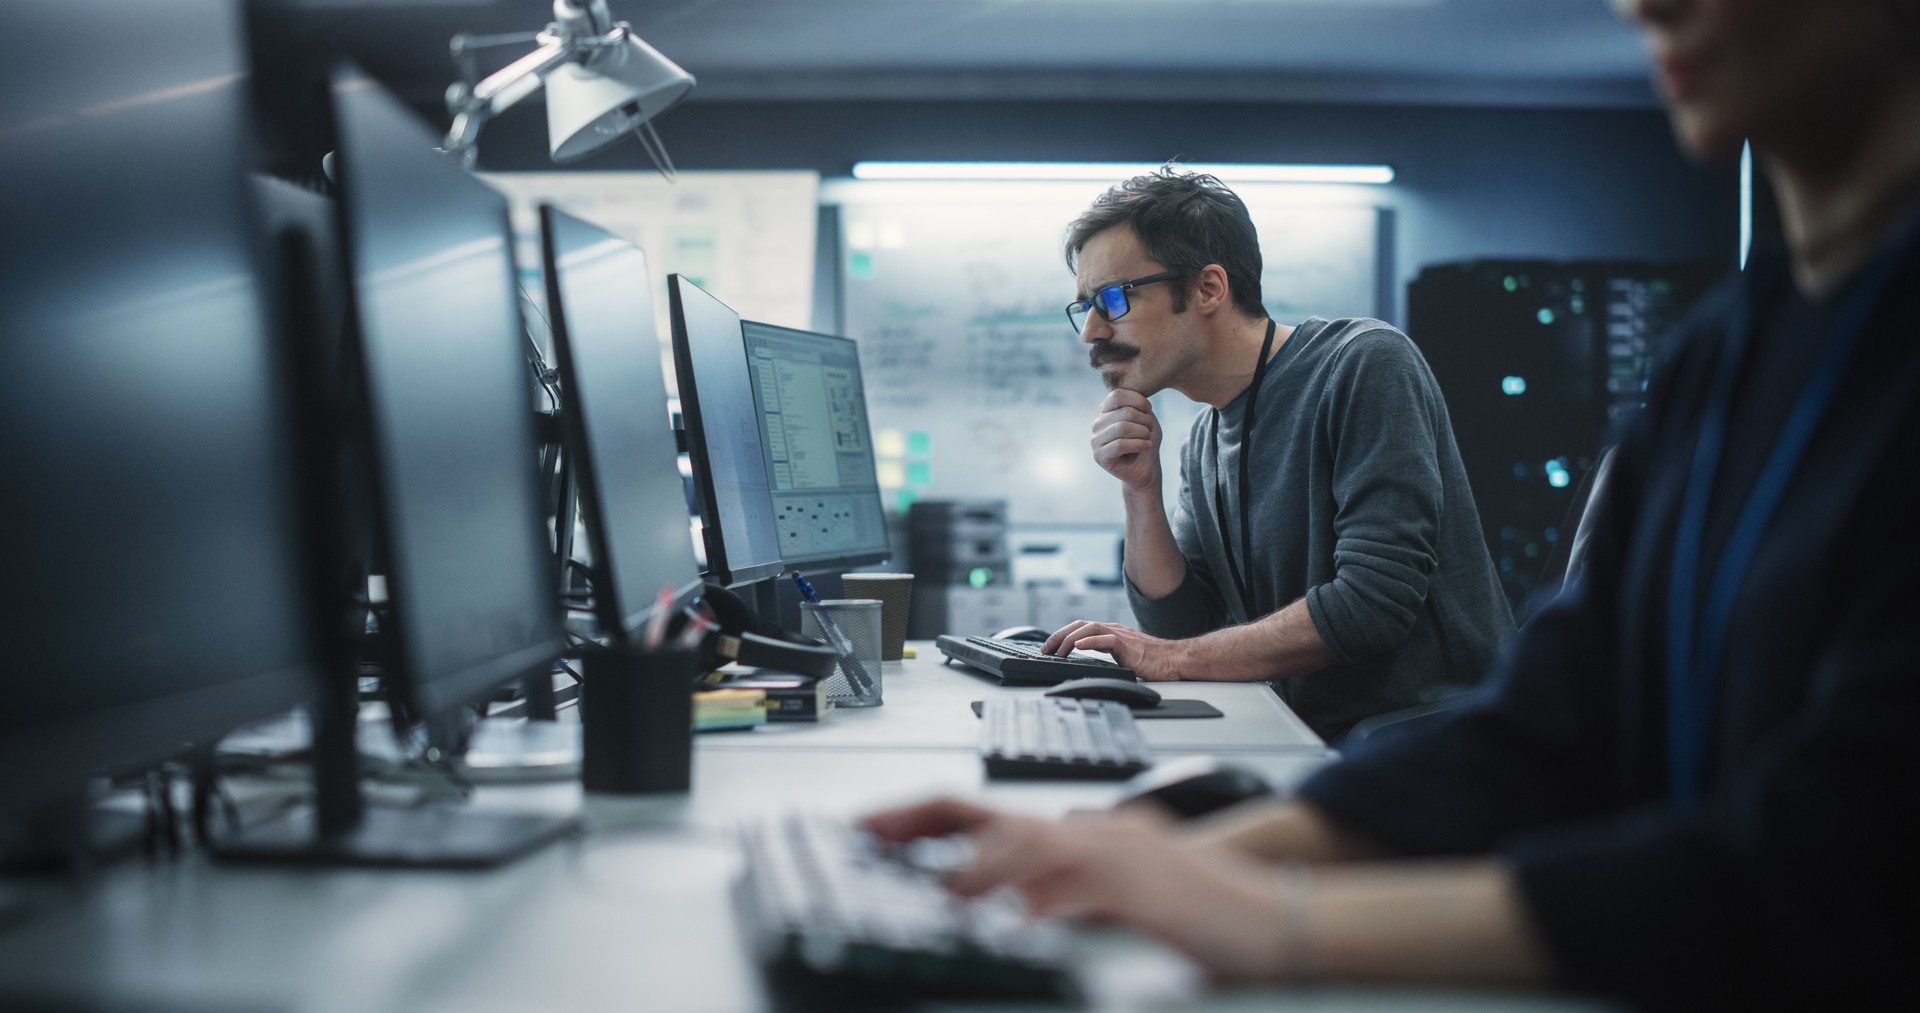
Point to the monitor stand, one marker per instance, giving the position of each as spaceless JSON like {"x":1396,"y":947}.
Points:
{"x":340,"y":828}
{"x":424,"y":837}
{"x":524,"y":739}
{"x":522,"y":749}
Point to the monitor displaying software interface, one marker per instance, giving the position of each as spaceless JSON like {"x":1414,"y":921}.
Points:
{"x":818,"y":446}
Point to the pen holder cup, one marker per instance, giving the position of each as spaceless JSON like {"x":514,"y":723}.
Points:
{"x":636,"y":713}
{"x":895,"y":591}
{"x":858,"y":620}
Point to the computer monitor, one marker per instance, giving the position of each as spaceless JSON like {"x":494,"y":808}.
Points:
{"x":443,"y":410}
{"x":620,"y":436}
{"x":460,"y":511}
{"x":155,"y":561}
{"x":302,"y":230}
{"x":723,"y":440}
{"x":819,"y":448}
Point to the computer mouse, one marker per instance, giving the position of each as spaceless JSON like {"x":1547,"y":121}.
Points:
{"x":1126,"y":691}
{"x":1033,"y":633}
{"x":1194,"y":786}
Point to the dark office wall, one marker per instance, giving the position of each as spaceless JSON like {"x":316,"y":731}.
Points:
{"x":1471,"y":182}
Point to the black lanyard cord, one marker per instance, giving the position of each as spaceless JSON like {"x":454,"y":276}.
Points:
{"x":1219,"y":491}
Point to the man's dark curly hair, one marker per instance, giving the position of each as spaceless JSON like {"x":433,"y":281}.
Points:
{"x":1185,"y":221}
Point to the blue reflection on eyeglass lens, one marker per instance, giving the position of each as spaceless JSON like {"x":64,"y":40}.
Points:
{"x":1115,"y":299}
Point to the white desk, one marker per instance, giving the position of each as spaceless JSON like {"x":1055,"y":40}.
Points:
{"x":927,"y":706}
{"x":633,"y":914}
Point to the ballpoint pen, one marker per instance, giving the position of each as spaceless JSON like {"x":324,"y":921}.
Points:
{"x":856,"y":672}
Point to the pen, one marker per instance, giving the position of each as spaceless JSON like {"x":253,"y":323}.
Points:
{"x":696,"y":628}
{"x":657,"y":622}
{"x":856,"y":672}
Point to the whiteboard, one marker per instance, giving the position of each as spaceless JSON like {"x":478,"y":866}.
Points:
{"x":977,"y":386}
{"x":746,"y":237}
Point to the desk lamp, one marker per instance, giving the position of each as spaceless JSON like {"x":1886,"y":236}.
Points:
{"x":602,"y":81}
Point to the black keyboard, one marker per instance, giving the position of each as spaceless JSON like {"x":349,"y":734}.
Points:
{"x":1055,"y":737}
{"x":1020,"y":663}
{"x":829,"y":905}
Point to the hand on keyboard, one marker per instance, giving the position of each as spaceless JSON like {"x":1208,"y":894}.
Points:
{"x":1130,"y":867}
{"x":827,"y":900}
{"x":1151,"y":658}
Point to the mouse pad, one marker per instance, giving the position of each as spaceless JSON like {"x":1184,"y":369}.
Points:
{"x":1167,"y":709}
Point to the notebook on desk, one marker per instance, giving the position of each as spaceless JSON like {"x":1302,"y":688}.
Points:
{"x":1020,"y":662}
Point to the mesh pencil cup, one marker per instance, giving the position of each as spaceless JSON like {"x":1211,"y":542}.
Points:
{"x":859,"y":621}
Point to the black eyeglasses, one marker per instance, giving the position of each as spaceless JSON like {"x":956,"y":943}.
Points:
{"x":1111,"y":301}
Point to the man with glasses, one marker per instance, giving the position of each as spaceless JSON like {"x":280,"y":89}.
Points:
{"x":1324,"y":536}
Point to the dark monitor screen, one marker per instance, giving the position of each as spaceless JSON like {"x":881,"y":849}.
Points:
{"x":819,"y":447}
{"x":723,"y":439}
{"x":154,"y":556}
{"x":449,"y":409}
{"x":302,"y":229}
{"x":615,"y":407}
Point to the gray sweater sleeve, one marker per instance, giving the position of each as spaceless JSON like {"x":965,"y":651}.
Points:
{"x":1380,"y":417}
{"x":1195,"y":606}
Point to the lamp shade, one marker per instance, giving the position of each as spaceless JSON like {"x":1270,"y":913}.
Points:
{"x":591,"y":106}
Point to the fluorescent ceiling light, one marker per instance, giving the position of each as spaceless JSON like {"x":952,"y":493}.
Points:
{"x":1110,"y":171}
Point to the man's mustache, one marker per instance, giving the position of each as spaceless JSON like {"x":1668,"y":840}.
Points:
{"x":1110,"y":351}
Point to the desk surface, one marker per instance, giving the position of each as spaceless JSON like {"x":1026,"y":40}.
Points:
{"x":928,"y":706}
{"x":632,"y":914}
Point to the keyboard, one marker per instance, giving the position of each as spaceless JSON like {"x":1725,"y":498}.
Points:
{"x":830,"y":906}
{"x":1020,"y":663}
{"x":1054,"y":737}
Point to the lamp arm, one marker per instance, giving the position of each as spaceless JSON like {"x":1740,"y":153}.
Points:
{"x":501,"y":89}
{"x":463,"y":44}
{"x":583,"y":32}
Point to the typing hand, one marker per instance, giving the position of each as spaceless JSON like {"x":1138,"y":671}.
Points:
{"x":939,"y":818}
{"x":1151,"y":658}
{"x":1126,"y":439}
{"x":1126,"y":867}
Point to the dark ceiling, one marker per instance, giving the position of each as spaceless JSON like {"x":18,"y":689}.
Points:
{"x":1459,"y":52}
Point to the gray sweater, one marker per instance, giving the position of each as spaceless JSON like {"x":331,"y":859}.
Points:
{"x":1361,"y":506}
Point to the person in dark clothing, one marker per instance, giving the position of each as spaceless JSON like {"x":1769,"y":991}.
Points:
{"x":1692,"y":782}
{"x":1324,"y":535}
